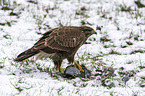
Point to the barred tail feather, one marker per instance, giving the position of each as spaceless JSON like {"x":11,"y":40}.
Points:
{"x":26,"y":54}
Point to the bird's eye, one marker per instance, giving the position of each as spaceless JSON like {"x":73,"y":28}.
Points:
{"x":88,"y":29}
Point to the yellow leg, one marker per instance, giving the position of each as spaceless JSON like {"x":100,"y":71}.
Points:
{"x":79,"y":67}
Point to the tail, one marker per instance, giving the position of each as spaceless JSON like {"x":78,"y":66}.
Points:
{"x":26,"y":54}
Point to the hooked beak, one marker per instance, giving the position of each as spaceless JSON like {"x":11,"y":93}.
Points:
{"x":94,"y":32}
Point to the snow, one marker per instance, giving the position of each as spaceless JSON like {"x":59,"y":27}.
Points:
{"x":107,"y":13}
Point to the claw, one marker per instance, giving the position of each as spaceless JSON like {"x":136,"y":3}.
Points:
{"x":78,"y":65}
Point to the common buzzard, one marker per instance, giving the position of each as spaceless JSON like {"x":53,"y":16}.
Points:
{"x":58,"y":44}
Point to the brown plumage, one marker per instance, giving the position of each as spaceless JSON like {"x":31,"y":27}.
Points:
{"x":58,"y":44}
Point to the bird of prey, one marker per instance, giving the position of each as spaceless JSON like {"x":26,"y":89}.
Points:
{"x":58,"y":44}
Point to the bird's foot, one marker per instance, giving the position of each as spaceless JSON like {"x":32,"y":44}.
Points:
{"x":60,"y":70}
{"x":79,"y":67}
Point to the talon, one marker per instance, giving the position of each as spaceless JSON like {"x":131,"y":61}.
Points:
{"x":79,"y":67}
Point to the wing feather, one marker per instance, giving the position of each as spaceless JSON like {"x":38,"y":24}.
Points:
{"x":67,"y":37}
{"x":62,"y":38}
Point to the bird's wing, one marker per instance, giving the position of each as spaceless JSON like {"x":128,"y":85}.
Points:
{"x":63,"y":39}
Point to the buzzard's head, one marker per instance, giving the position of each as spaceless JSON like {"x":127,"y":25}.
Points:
{"x":88,"y":31}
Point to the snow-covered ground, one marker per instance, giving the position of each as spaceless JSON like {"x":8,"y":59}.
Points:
{"x":119,"y":45}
